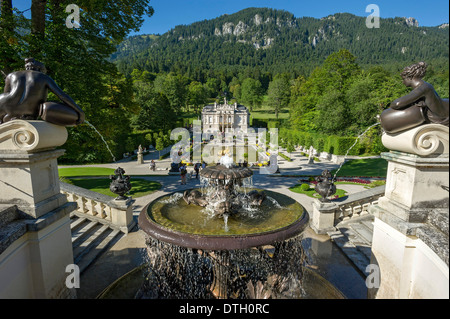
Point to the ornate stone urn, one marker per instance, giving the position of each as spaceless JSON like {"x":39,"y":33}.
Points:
{"x":325,"y":186}
{"x":120,"y":184}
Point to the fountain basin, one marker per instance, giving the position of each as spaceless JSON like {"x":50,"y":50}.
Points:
{"x":173,"y":221}
{"x":129,"y":285}
{"x":221,"y":172}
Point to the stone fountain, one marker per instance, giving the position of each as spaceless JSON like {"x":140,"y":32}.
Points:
{"x":224,"y":240}
{"x":221,"y":194}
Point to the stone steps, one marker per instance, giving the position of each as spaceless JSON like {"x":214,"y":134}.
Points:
{"x":354,"y":238}
{"x":90,"y":239}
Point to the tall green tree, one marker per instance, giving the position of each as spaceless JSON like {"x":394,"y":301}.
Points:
{"x":278,"y":94}
{"x":77,"y":59}
{"x":155,"y":113}
{"x":11,"y":42}
{"x":197,"y":95}
{"x":251,"y":93}
{"x":174,"y":87}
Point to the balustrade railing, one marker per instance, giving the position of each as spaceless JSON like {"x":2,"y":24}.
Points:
{"x":358,"y":204}
{"x":117,"y":214}
{"x":326,"y":215}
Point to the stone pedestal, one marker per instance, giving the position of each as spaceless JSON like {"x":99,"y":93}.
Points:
{"x":122,"y":214}
{"x":28,"y":166}
{"x":33,"y":265}
{"x":411,"y":219}
{"x":415,"y":184}
{"x":323,"y":216}
{"x":140,"y":158}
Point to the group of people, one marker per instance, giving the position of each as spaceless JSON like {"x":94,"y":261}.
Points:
{"x":183,"y":171}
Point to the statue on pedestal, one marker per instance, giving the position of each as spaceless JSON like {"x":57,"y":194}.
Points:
{"x":325,"y":185}
{"x":421,"y":106}
{"x":417,"y":123}
{"x":25,"y":98}
{"x":120,"y":184}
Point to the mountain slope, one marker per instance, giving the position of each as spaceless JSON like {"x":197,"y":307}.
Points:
{"x":276,"y":41}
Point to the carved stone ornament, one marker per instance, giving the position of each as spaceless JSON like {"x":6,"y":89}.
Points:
{"x":31,"y":136}
{"x":428,"y":139}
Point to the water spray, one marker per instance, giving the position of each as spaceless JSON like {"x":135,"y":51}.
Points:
{"x":101,"y":136}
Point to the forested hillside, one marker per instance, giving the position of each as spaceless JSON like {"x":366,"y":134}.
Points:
{"x":330,"y":76}
{"x":275,"y":41}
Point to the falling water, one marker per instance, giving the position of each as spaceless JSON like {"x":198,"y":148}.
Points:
{"x":101,"y":136}
{"x":274,"y":202}
{"x":185,"y":273}
{"x":356,"y":141}
{"x":225,"y":220}
{"x":174,"y":198}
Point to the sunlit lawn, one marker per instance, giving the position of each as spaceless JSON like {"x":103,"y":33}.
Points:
{"x":85,"y":171}
{"x":371,"y":167}
{"x":91,"y":178}
{"x":312,"y":193}
{"x":139,"y":187}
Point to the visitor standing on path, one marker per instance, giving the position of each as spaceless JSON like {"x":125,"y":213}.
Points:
{"x":152,"y":165}
{"x":183,"y":173}
{"x":197,"y":169}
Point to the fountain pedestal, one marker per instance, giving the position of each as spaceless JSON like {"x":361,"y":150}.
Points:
{"x":33,"y":263}
{"x":410,"y":237}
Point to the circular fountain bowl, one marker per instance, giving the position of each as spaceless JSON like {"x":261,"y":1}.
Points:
{"x":170,"y":219}
{"x":221,"y":172}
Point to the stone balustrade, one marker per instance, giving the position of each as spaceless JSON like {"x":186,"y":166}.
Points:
{"x":117,"y":214}
{"x":326,"y":215}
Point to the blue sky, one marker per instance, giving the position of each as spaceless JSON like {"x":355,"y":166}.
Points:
{"x":170,"y":13}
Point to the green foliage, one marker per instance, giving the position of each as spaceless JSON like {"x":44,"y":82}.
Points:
{"x":278,"y":94}
{"x":77,"y":59}
{"x":251,"y":93}
{"x":159,"y":144}
{"x":155,"y":113}
{"x":334,"y":144}
{"x":304,"y":187}
{"x":297,"y":46}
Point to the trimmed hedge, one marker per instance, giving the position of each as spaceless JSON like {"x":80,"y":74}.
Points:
{"x":267,"y":123}
{"x":332,"y":144}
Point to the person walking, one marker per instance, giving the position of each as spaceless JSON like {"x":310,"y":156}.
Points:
{"x":183,"y":173}
{"x":197,"y":169}
{"x":152,"y":165}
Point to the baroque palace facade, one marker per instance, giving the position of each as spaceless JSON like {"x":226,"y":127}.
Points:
{"x":225,"y":118}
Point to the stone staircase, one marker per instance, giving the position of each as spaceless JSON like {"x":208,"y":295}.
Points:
{"x":90,"y":239}
{"x":354,"y":238}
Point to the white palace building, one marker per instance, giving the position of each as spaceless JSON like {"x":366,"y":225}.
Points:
{"x":225,"y":118}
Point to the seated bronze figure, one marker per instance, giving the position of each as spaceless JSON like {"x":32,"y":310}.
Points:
{"x":421,"y":106}
{"x":25,"y":97}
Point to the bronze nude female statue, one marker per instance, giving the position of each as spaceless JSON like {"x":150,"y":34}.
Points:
{"x":25,"y":97}
{"x":421,"y":106}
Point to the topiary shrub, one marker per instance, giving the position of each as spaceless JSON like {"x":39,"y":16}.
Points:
{"x":304,"y":187}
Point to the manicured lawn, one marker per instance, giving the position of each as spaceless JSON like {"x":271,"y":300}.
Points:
{"x":269,"y":114}
{"x":364,"y":167}
{"x":312,"y":193}
{"x":85,"y":171}
{"x":139,"y":187}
